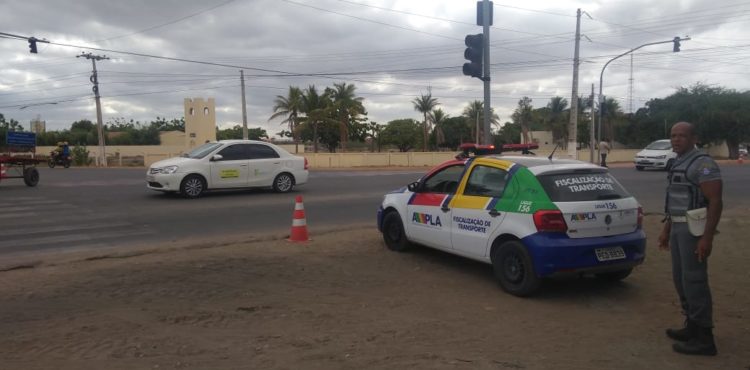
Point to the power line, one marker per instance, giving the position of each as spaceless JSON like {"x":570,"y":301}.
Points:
{"x":167,"y":23}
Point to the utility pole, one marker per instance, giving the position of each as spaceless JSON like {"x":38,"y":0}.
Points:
{"x":95,"y":80}
{"x":630,"y":87}
{"x":591,"y":126}
{"x":244,"y":106}
{"x":486,"y":64}
{"x":573,"y":124}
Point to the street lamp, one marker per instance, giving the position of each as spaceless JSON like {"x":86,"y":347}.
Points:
{"x":676,"y":48}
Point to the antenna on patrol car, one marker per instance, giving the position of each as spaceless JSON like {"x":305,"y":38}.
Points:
{"x":553,"y":151}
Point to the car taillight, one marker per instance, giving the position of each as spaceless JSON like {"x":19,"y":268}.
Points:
{"x":640,"y":216}
{"x":306,"y":165}
{"x":550,"y":221}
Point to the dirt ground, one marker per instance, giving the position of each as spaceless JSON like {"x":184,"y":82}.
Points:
{"x":345,"y":301}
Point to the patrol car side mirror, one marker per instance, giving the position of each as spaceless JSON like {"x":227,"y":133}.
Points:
{"x":217,"y":157}
{"x":414,"y":186}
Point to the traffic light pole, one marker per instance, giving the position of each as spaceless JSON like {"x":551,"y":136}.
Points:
{"x":486,"y":65}
{"x":675,"y":41}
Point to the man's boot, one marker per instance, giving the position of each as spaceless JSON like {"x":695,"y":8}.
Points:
{"x":684,"y":334}
{"x":702,"y":343}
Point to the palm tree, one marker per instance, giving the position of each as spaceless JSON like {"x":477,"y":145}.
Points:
{"x":289,"y":106}
{"x":425,"y":104}
{"x":556,"y":118}
{"x":610,"y":109}
{"x":438,"y":118}
{"x":316,"y":108}
{"x":346,"y":107}
{"x":474,"y":112}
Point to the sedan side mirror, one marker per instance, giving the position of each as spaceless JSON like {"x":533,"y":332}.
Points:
{"x":217,"y":157}
{"x":414,"y":186}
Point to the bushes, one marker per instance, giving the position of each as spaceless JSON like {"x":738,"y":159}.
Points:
{"x":81,"y":156}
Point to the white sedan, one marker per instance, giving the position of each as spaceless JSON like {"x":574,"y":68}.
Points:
{"x":228,"y":164}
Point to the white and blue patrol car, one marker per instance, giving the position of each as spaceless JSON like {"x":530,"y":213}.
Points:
{"x":530,"y":217}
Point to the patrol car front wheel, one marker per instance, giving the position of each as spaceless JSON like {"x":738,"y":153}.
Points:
{"x":393,"y":233}
{"x":514,"y":269}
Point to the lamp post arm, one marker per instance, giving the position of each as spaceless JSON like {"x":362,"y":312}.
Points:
{"x":601,"y":77}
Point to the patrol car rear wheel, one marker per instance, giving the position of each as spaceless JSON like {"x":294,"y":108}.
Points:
{"x":514,"y":269}
{"x":393,"y":233}
{"x":614,"y":275}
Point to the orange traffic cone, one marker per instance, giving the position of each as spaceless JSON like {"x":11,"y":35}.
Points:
{"x":299,"y":224}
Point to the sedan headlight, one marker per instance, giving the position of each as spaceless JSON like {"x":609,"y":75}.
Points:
{"x":169,"y":170}
{"x":660,"y":157}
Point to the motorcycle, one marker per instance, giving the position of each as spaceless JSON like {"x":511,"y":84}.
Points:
{"x":55,"y":159}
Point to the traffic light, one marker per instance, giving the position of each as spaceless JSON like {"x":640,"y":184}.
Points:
{"x":473,"y":52}
{"x":676,"y":46}
{"x":32,"y":45}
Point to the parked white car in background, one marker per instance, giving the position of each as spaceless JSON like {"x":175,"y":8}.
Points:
{"x":658,"y":154}
{"x":228,"y":164}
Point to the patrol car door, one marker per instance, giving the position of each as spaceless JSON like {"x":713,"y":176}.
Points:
{"x":473,"y":210}
{"x":231,"y":170}
{"x":428,"y":218}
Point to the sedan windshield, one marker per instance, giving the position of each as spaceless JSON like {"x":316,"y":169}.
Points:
{"x":660,"y":145}
{"x":201,"y":151}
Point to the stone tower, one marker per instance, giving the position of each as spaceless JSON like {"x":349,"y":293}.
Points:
{"x":200,"y":122}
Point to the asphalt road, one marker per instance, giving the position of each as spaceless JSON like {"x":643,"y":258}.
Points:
{"x":95,"y":208}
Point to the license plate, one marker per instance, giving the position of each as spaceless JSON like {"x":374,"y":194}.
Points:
{"x":150,"y":179}
{"x":610,"y":254}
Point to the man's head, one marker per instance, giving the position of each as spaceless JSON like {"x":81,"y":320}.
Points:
{"x":683,"y":137}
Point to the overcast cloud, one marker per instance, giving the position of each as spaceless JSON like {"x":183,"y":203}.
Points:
{"x":398,"y":50}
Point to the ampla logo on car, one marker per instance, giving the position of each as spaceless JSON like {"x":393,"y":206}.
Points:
{"x":426,"y":219}
{"x":582,"y":217}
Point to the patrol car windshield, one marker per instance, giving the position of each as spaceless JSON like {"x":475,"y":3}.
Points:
{"x":582,"y":187}
{"x":660,"y":145}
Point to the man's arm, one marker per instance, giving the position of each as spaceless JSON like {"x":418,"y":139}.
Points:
{"x":712,"y":192}
{"x":664,"y":236}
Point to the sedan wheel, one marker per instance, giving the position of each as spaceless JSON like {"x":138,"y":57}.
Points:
{"x":192,"y":186}
{"x":283,"y":183}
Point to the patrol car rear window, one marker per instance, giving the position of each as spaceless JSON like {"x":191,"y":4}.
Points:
{"x":582,"y":187}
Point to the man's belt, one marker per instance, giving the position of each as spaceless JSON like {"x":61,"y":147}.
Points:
{"x":678,"y":218}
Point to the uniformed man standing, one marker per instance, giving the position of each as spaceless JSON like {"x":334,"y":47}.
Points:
{"x":694,"y":182}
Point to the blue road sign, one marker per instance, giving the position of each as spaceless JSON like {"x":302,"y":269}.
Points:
{"x":23,"y":139}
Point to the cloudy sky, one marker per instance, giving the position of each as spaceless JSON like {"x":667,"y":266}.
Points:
{"x":392,"y":50}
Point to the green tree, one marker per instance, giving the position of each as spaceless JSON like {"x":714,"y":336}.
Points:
{"x":289,"y":107}
{"x":611,"y":112}
{"x":425,"y":104}
{"x":557,"y":118}
{"x":403,"y":133}
{"x":456,"y":131}
{"x":438,"y":119}
{"x":317,"y":109}
{"x":522,"y":116}
{"x":374,"y":129}
{"x":346,"y":108}
{"x":235,"y":133}
{"x":473,"y":113}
